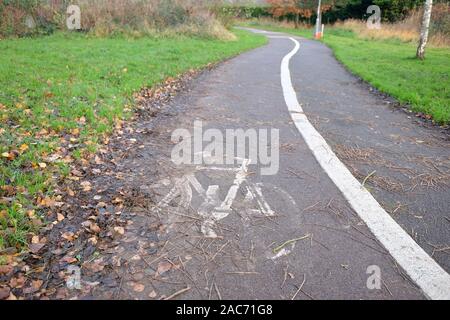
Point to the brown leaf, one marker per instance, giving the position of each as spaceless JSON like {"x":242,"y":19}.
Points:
{"x":35,"y":240}
{"x":47,"y":202}
{"x":5,"y":270}
{"x":69,"y":236}
{"x":164,"y":267}
{"x":4,"y":293}
{"x":137,"y":287}
{"x":86,"y":185}
{"x":37,"y":284}
{"x":68,"y":259}
{"x":8,"y":190}
{"x":70,"y":192}
{"x":36,"y":247}
{"x":94,"y":266}
{"x":60,"y":217}
{"x":93,"y":240}
{"x":10,"y":155}
{"x":17,"y":282}
{"x":94,"y":228}
{"x":119,"y":230}
{"x":77,"y":173}
{"x":102,"y":205}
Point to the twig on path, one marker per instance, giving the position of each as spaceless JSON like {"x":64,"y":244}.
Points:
{"x":387,"y":288}
{"x":220,"y":250}
{"x":188,"y":216}
{"x":176,"y":294}
{"x":367,"y":178}
{"x":279,"y":248}
{"x":217,"y":291}
{"x":210,"y":291}
{"x":285,"y":275}
{"x":159,"y":258}
{"x":242,"y":272}
{"x":310,"y":207}
{"x":295,"y":173}
{"x":300,"y":288}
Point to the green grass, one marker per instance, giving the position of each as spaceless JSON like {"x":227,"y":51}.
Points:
{"x":74,"y":88}
{"x":391,"y":67}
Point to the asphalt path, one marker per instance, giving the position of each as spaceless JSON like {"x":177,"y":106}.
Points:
{"x":310,"y":231}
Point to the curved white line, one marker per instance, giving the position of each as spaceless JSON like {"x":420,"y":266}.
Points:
{"x":421,"y":268}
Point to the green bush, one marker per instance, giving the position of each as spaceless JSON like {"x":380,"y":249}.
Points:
{"x":27,"y":17}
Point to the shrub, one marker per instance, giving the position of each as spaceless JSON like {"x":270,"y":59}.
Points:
{"x":109,"y":17}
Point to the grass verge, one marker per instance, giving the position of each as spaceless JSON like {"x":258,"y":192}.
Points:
{"x":62,"y":95}
{"x":391,"y":67}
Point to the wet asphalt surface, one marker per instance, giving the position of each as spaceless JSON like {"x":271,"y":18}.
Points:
{"x":164,"y":250}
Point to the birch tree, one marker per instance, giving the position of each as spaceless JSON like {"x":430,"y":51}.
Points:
{"x":425,"y":29}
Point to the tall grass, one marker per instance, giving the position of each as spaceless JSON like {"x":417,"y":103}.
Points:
{"x":110,"y":17}
{"x":407,"y":30}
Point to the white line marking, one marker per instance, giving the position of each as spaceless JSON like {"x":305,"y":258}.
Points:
{"x":421,"y":268}
{"x":262,"y":203}
{"x":232,"y":193}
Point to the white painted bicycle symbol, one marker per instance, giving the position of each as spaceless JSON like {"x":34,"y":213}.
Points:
{"x":212,"y":209}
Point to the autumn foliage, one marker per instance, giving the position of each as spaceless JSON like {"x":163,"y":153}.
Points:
{"x":297,"y":8}
{"x":280,"y":8}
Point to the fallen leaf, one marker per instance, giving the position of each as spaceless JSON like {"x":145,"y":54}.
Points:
{"x":98,"y":160}
{"x":18,"y":282}
{"x":152,"y":294}
{"x":36,"y":247}
{"x":24,"y":147}
{"x":164,"y":267}
{"x":4,"y":270}
{"x":9,"y":190}
{"x":47,"y":202}
{"x":69,"y":236}
{"x":94,"y":266}
{"x":102,"y":205}
{"x":42,"y":165}
{"x":94,"y":228}
{"x":117,"y":201}
{"x":68,"y":259}
{"x":93,"y":240}
{"x":86,"y":185}
{"x":119,"y":230}
{"x":138,"y":287}
{"x":60,"y":217}
{"x":4,"y":293}
{"x":10,"y":155}
{"x":77,"y":173}
{"x":31,"y":214}
{"x":12,"y":297}
{"x":70,"y":192}
{"x":35,"y":286}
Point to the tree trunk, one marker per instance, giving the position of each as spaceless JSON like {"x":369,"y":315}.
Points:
{"x":297,"y":20}
{"x":425,"y":29}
